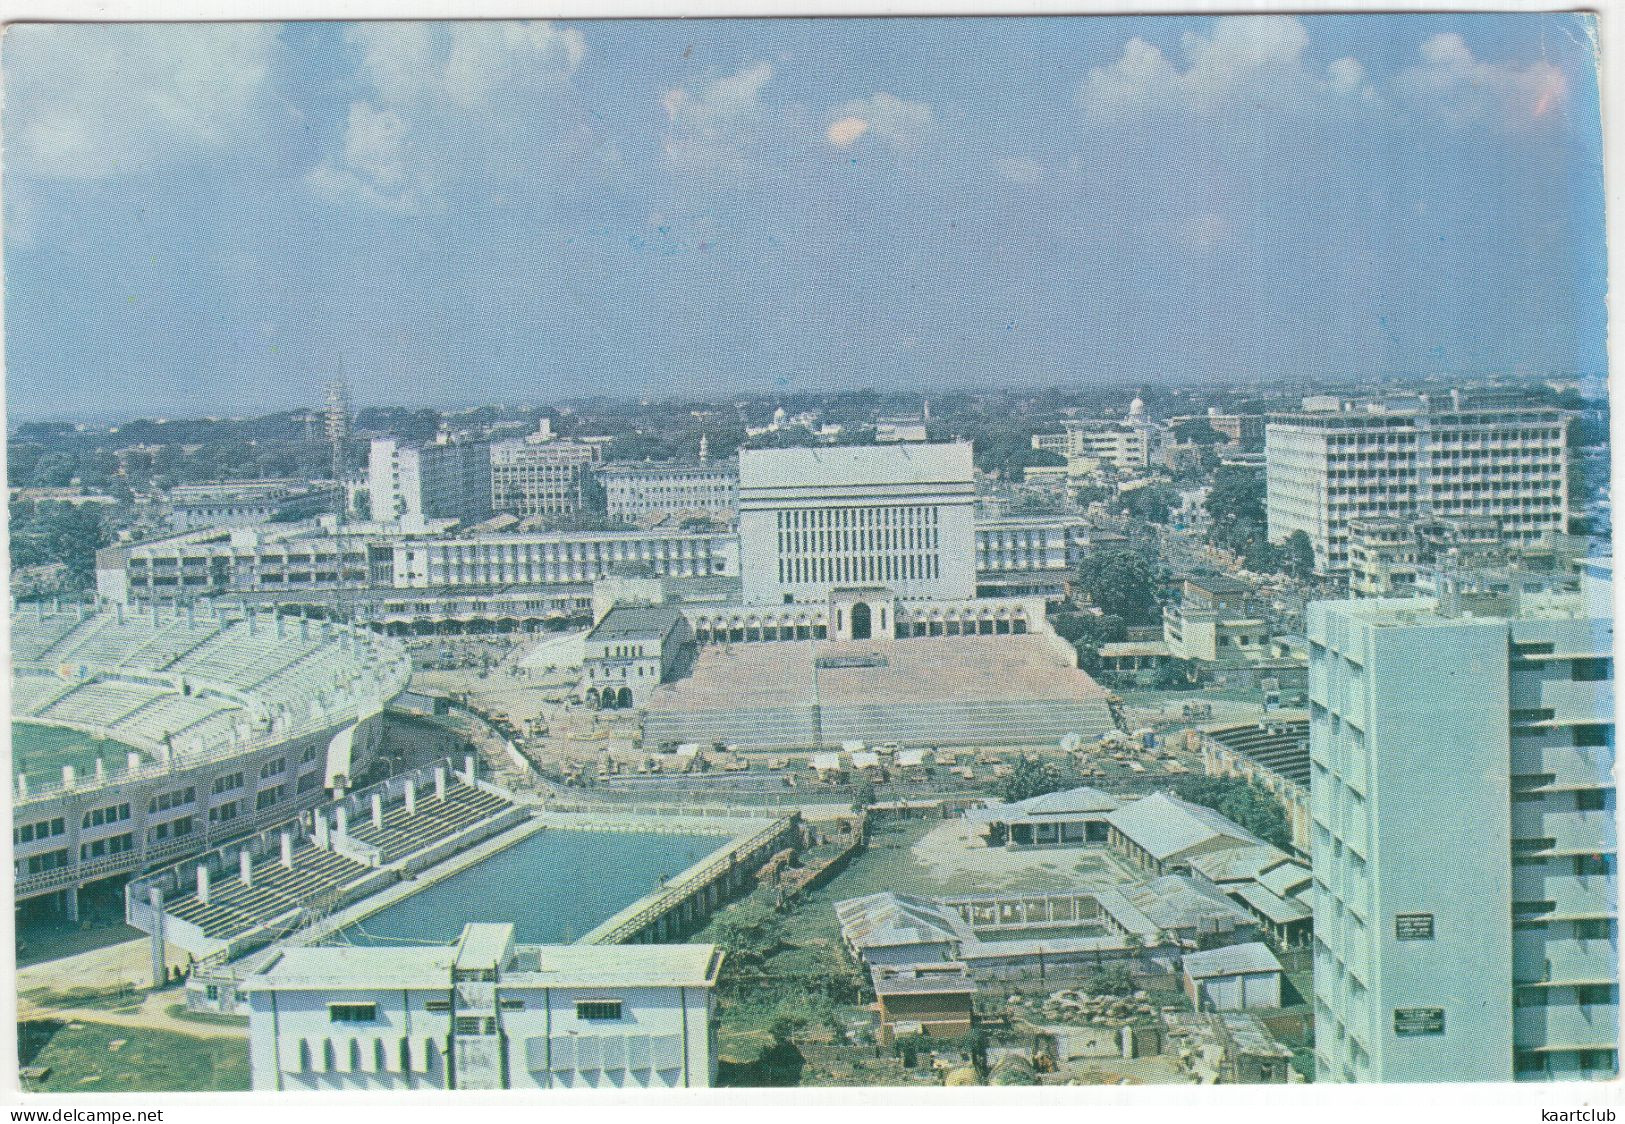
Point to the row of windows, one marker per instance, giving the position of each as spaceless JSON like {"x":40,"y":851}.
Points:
{"x":117,"y":845}
{"x":97,"y":817}
{"x":168,"y":800}
{"x":588,"y":1010}
{"x":44,"y":829}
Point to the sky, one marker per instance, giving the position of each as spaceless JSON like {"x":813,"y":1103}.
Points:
{"x":209,"y":219}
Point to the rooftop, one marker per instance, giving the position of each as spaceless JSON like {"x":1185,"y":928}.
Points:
{"x":636,"y":622}
{"x":1164,"y":825}
{"x":350,"y":968}
{"x":1072,"y":801}
{"x":1231,"y":960}
{"x":856,"y":465}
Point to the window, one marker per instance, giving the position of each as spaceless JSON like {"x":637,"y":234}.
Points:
{"x":513,"y":1004}
{"x":1593,"y":735}
{"x":1592,"y":864}
{"x":1529,"y":1062}
{"x":598,"y":1010}
{"x":352,"y":1012}
{"x":1598,"y":1061}
{"x":1532,"y":996}
{"x":437,"y":1005}
{"x":1593,"y":670}
{"x":1594,"y":995}
{"x":227,"y":782}
{"x":1590,"y":800}
{"x":1593,"y":930}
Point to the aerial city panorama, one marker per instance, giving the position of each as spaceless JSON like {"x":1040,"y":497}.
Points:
{"x":671,"y":555}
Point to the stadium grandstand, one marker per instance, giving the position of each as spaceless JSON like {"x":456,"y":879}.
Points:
{"x":140,"y":737}
{"x":261,"y":888}
{"x":1274,"y":754}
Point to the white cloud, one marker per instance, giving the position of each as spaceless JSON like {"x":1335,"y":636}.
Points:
{"x":1346,"y":75}
{"x":1259,"y":57}
{"x":1259,"y":61}
{"x":899,"y":123}
{"x":1020,"y":169}
{"x":1452,"y":82}
{"x":712,"y":127}
{"x":434,"y":86}
{"x":844,"y":132}
{"x":87,"y":101}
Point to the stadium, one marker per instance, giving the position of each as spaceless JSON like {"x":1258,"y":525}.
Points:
{"x":141,"y":738}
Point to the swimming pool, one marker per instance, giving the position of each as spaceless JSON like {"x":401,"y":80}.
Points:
{"x":553,"y":886}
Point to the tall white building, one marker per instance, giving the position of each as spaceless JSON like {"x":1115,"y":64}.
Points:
{"x":540,"y":477}
{"x":635,"y":492}
{"x":484,"y":1013}
{"x":443,"y":480}
{"x":901,"y":517}
{"x":1124,"y":446}
{"x":1463,"y":839}
{"x":1324,"y":469}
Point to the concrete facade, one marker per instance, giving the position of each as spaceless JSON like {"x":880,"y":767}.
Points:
{"x":1497,"y":735}
{"x":484,"y":1013}
{"x":1326,"y":469}
{"x":814,"y":520}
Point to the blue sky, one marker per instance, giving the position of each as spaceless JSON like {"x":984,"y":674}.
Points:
{"x":202,"y":219}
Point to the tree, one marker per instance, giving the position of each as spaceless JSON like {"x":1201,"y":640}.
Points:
{"x":1299,"y":555}
{"x":1007,"y":452}
{"x":1244,"y":803}
{"x":1196,"y":431}
{"x":1120,"y":583}
{"x":1087,"y":632}
{"x":1116,"y":980}
{"x":749,"y":932}
{"x":1032,"y":778}
{"x":1152,"y":503}
{"x":863,"y":796}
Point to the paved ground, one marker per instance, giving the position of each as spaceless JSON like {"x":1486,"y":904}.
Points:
{"x":99,"y":969}
{"x":957,"y":668}
{"x":945,"y":854}
{"x":151,"y":1015}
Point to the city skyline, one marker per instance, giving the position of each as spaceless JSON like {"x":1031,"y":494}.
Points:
{"x":538,"y":211}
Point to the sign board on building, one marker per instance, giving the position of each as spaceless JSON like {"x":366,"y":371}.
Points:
{"x":1412,"y":1021}
{"x":1413,"y":926}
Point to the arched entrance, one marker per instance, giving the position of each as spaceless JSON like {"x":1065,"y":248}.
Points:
{"x":860,"y":621}
{"x":624,"y":700}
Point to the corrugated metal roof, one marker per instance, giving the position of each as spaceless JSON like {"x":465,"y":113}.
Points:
{"x":1231,"y":960}
{"x":1164,"y":825}
{"x":636,"y":622}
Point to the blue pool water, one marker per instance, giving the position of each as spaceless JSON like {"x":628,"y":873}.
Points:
{"x":552,"y":886}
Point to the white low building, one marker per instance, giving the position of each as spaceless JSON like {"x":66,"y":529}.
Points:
{"x":484,"y":1013}
{"x":1233,"y":978}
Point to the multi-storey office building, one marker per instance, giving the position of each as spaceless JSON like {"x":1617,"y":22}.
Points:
{"x":443,"y":480}
{"x":1463,"y":840}
{"x":1326,"y":469}
{"x":1122,"y":445}
{"x":637,"y":492}
{"x":300,"y":563}
{"x":540,"y":478}
{"x":1025,"y":557}
{"x":901,"y":517}
{"x":243,"y":503}
{"x":484,"y":1013}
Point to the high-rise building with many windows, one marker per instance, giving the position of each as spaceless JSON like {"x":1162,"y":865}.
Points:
{"x":1325,"y":469}
{"x":1463,"y":839}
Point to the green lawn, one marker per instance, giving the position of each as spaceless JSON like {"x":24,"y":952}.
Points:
{"x":39,"y":752}
{"x":81,"y":1059}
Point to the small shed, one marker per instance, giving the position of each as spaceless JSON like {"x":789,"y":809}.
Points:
{"x":1233,"y":978}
